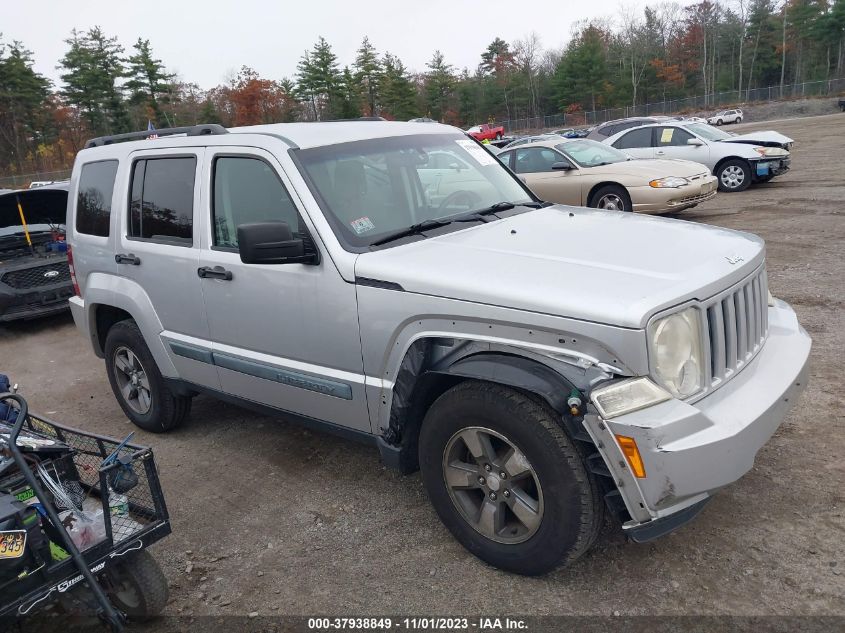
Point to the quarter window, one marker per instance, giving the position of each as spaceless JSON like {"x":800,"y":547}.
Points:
{"x":162,"y":203}
{"x":93,"y":201}
{"x":247,"y":190}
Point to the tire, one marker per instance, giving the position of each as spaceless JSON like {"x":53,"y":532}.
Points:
{"x":155,"y":407}
{"x":719,"y":121}
{"x":137,"y":587}
{"x":567,"y":505}
{"x":733,"y":175}
{"x":611,"y":198}
{"x":498,"y":136}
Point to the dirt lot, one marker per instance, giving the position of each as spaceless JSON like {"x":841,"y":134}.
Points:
{"x":312,"y":524}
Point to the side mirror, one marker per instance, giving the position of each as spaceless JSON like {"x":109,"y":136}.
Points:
{"x":695,"y":141}
{"x":455,"y":166}
{"x":562,"y":166}
{"x":271,"y":243}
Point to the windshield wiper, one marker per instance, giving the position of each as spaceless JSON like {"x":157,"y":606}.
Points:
{"x":472,"y":216}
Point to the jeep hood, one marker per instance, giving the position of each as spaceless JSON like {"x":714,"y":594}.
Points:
{"x":601,"y":266}
{"x":766,"y":139}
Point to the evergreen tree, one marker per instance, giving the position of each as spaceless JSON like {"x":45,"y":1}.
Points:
{"x":319,"y":80}
{"x":148,"y":82}
{"x":368,"y":74}
{"x":439,"y":86}
{"x":23,"y":93}
{"x":398,"y":95}
{"x":582,"y":74}
{"x":92,"y":68}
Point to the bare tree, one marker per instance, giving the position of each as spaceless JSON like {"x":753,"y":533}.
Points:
{"x":636,"y":45}
{"x":527,"y":55}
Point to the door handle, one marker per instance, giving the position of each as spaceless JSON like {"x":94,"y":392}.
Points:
{"x":218,"y":272}
{"x":120,"y":258}
{"x":660,"y":152}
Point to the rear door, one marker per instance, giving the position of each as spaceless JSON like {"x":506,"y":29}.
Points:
{"x":158,"y":248}
{"x":554,"y":185}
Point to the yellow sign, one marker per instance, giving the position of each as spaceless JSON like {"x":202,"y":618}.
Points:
{"x":12,"y":543}
{"x":666,"y":136}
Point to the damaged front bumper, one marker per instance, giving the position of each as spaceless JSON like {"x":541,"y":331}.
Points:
{"x":690,"y":450}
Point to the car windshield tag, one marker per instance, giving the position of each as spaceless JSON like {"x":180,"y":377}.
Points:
{"x":481,"y":156}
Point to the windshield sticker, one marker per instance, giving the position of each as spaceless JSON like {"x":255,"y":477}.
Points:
{"x":362,"y":225}
{"x":481,"y":155}
{"x":666,"y":136}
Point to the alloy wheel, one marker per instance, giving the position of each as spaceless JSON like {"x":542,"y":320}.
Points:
{"x":132,"y":380}
{"x":493,"y":485}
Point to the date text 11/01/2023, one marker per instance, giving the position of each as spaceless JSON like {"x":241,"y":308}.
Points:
{"x":418,"y":623}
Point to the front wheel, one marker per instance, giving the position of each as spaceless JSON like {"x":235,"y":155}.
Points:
{"x":611,"y":198}
{"x":137,"y":383}
{"x":719,"y":121}
{"x":136,"y":586}
{"x":506,"y":480}
{"x":734,"y":175}
{"x":498,"y":136}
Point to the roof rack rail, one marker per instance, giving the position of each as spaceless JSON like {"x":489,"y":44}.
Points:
{"x":190,"y":130}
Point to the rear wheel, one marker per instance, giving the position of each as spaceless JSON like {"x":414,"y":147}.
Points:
{"x":506,"y":480}
{"x":137,"y":586}
{"x":137,"y":383}
{"x":734,"y":175}
{"x":498,"y":136}
{"x":611,"y":198}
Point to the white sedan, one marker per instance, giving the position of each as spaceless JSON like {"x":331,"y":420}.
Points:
{"x":735,"y":161}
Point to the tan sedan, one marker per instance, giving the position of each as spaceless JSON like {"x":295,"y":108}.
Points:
{"x":586,"y":173}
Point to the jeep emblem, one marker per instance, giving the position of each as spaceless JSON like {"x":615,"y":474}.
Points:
{"x":51,"y":273}
{"x":735,"y":259}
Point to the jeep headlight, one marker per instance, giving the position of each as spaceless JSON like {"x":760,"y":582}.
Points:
{"x":676,"y":350}
{"x":670,"y":182}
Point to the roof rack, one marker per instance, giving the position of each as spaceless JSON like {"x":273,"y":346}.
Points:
{"x":191,"y":130}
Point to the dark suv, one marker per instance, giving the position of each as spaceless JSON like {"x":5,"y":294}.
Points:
{"x":34,"y":273}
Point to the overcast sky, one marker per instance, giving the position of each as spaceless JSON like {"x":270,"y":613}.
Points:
{"x":206,"y":40}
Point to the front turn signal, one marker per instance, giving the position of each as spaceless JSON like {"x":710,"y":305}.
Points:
{"x":632,"y":454}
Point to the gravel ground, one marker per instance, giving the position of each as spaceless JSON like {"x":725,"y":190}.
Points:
{"x":274,"y":519}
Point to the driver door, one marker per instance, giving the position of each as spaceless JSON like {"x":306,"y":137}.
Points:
{"x":554,"y":185}
{"x":671,"y":142}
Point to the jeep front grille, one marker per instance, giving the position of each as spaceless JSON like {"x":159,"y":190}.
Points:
{"x":38,"y":276}
{"x":737,"y":323}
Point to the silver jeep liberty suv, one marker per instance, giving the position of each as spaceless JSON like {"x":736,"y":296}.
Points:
{"x":394,"y":282}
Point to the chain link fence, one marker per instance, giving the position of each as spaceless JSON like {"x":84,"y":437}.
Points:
{"x":22,"y":181}
{"x":690,"y":105}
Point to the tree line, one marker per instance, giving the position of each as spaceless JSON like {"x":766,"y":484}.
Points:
{"x":667,"y":51}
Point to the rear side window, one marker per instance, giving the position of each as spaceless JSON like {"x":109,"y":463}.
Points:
{"x":93,"y":201}
{"x":162,"y":204}
{"x":247,"y":190}
{"x":640,"y":137}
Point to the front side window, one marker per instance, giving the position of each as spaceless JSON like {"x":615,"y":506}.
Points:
{"x":247,"y":190}
{"x":672,"y":136}
{"x":533,"y":160}
{"x":93,"y":200}
{"x":372,"y":188}
{"x":640,"y":137}
{"x":162,"y":203}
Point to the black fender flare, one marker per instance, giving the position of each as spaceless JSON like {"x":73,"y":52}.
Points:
{"x":515,"y":371}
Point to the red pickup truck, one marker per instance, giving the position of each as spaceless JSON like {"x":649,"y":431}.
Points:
{"x":486,"y":132}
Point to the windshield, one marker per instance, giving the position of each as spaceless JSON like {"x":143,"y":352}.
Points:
{"x":589,"y":153}
{"x":372,"y":188}
{"x":708,"y":132}
{"x":44,"y":211}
